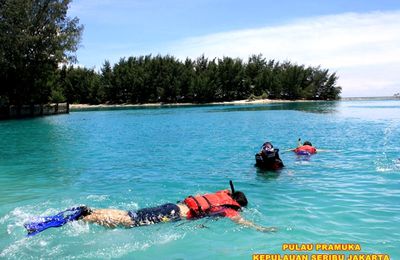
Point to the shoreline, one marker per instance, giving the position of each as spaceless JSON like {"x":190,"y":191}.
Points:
{"x":236,"y":102}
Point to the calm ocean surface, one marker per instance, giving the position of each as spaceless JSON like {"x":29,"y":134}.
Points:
{"x":129,"y":159}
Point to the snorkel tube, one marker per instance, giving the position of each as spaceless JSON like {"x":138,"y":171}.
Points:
{"x":232,"y":187}
{"x":299,"y":142}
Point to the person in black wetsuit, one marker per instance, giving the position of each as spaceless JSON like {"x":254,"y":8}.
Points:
{"x":268,"y":157}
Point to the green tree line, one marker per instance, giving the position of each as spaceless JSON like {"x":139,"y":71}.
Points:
{"x":149,"y":79}
{"x":37,"y":36}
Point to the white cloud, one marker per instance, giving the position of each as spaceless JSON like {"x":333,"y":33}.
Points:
{"x":364,"y":49}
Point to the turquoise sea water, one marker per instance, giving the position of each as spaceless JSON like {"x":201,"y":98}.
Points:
{"x":129,"y":159}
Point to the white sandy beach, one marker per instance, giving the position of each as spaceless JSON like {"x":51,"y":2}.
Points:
{"x":236,"y":102}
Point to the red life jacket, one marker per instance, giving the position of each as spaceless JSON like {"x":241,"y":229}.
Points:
{"x":306,"y":148}
{"x":201,"y":205}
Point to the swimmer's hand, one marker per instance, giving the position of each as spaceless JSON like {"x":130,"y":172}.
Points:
{"x":241,"y":221}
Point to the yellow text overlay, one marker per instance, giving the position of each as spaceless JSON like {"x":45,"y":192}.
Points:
{"x":320,"y":257}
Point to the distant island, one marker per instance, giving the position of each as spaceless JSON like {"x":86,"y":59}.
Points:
{"x":154,"y":79}
{"x":31,"y":71}
{"x":394,"y":97}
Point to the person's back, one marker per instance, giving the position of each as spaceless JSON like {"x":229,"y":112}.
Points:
{"x":222,"y":203}
{"x":305,"y":148}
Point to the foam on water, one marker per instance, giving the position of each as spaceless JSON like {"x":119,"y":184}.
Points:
{"x":97,"y":197}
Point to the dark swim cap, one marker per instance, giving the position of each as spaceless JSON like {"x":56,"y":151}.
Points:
{"x":240,"y":198}
{"x":307,"y":143}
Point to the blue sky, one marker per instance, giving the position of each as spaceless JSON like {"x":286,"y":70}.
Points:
{"x":358,"y":39}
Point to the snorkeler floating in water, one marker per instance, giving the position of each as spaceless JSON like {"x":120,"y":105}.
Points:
{"x":304,"y":149}
{"x":223,"y":203}
{"x":268,"y":157}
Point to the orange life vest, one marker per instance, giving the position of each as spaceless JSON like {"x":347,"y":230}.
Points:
{"x":202,"y":204}
{"x":306,"y":148}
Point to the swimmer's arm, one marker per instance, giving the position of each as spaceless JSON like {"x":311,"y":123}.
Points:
{"x":325,"y":150}
{"x":247,"y":223}
{"x":288,"y":150}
